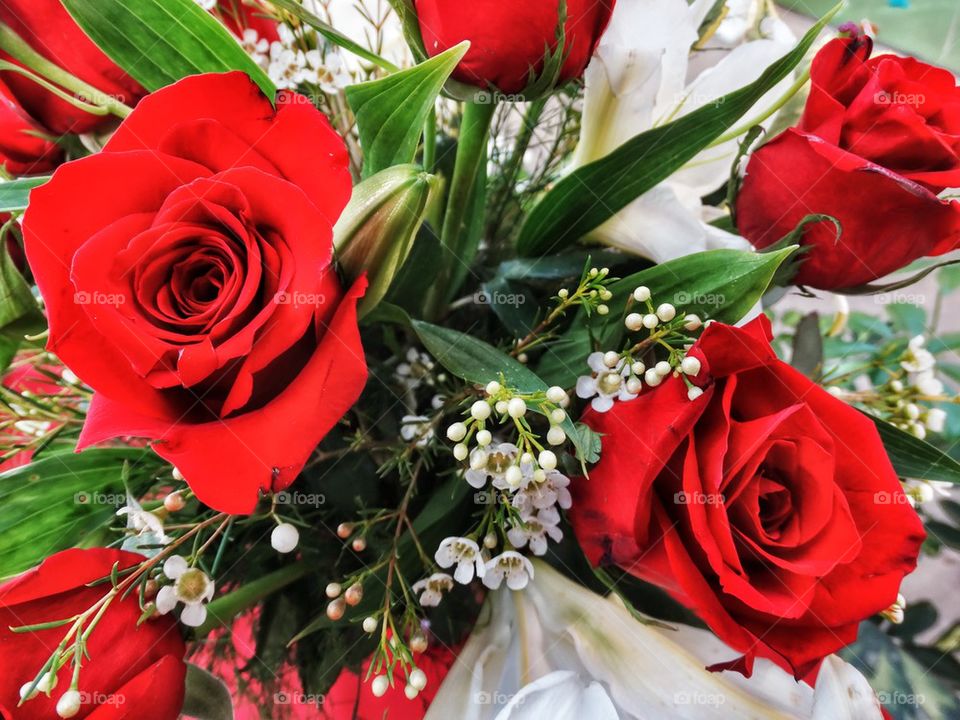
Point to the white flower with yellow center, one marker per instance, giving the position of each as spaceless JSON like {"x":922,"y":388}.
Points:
{"x":465,"y":554}
{"x":431,"y":589}
{"x":605,"y":384}
{"x":191,"y":586}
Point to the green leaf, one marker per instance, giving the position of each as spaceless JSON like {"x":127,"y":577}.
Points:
{"x":391,"y":111}
{"x":477,"y":362}
{"x":14,"y":194}
{"x":206,"y":697}
{"x":591,"y":195}
{"x":718,"y":285}
{"x":158,"y":42}
{"x":915,"y":458}
{"x":19,"y":312}
{"x":807,"y":356}
{"x":63,"y":500}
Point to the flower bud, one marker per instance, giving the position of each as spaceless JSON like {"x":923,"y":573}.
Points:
{"x":377,"y":230}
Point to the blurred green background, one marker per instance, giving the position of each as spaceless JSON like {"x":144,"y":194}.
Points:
{"x":929,"y":29}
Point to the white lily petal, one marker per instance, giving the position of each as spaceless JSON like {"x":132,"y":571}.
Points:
{"x":561,"y":695}
{"x":843,"y":693}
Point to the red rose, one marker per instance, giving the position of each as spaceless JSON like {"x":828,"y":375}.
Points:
{"x":508,"y":40}
{"x":130,"y":671}
{"x":766,"y":505}
{"x":23,"y":149}
{"x":47,"y":27}
{"x":188,"y":279}
{"x":879,"y":139}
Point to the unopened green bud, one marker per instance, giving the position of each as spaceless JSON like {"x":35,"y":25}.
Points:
{"x":377,"y":230}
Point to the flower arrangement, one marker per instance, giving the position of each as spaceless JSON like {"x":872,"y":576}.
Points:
{"x":422,"y":359}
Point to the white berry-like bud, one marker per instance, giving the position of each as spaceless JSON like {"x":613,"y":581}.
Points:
{"x":563,"y":294}
{"x":336,"y":609}
{"x":694,"y":392}
{"x":334,"y":590}
{"x":359,"y":544}
{"x":69,"y":704}
{"x":284,"y":538}
{"x":493,"y":387}
{"x":896,"y":386}
{"x":480,"y":410}
{"x":25,"y":693}
{"x":484,"y":438}
{"x":370,"y":625}
{"x":652,"y":377}
{"x":418,"y":678}
{"x":539,"y":475}
{"x":478,"y":460}
{"x":548,"y":460}
{"x":490,"y":540}
{"x":918,"y":431}
{"x":556,"y":436}
{"x":380,"y":685}
{"x":602,"y":310}
{"x":456,"y":432}
{"x":556,"y":395}
{"x":663,"y":368}
{"x":174,"y":502}
{"x":502,"y":406}
{"x":516,"y":408}
{"x":344,"y":530}
{"x":418,"y":642}
{"x":633,"y":321}
{"x":523,"y":358}
{"x":666,"y":312}
{"x":177,"y":475}
{"x":410,"y":692}
{"x":692,"y":322}
{"x":557,"y":416}
{"x":690,"y":366}
{"x":513,"y":476}
{"x":650,"y":321}
{"x":460,"y":452}
{"x":638,"y":368}
{"x":634,"y":386}
{"x":913,"y":412}
{"x":354,"y":594}
{"x":641,"y":294}
{"x":611,"y":359}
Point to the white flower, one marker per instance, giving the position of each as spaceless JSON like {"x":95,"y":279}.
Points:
{"x":191,"y":586}
{"x":207,"y":5}
{"x":936,"y":420}
{"x":416,"y":427}
{"x":147,"y":526}
{"x":329,"y":73}
{"x":286,"y":66}
{"x":637,"y":81}
{"x":511,"y":565}
{"x":927,"y":383}
{"x":417,"y":369}
{"x":561,"y":652}
{"x":542,"y":494}
{"x":431,"y":589}
{"x":535,"y":530}
{"x":499,"y":459}
{"x":256,"y":47}
{"x":605,"y":383}
{"x":918,"y":359}
{"x":465,"y":554}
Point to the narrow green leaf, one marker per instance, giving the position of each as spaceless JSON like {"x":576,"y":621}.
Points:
{"x":63,"y":500}
{"x":593,"y":194}
{"x":14,"y":194}
{"x":206,"y":697}
{"x":391,"y":111}
{"x":718,"y":285}
{"x":915,"y":458}
{"x":158,"y":42}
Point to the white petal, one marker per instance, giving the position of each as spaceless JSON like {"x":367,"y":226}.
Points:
{"x":193,"y":615}
{"x":166,"y":599}
{"x":464,"y":572}
{"x":561,"y":695}
{"x":175,"y":566}
{"x":602,"y":404}
{"x":842,"y":693}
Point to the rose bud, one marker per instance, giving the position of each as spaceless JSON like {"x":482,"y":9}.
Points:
{"x":513,"y":46}
{"x":766,"y":505}
{"x":377,"y":230}
{"x":140,"y":665}
{"x":875,"y":148}
{"x":25,"y":146}
{"x":46,"y":26}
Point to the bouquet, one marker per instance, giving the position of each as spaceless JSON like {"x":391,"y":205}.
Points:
{"x":422,"y":358}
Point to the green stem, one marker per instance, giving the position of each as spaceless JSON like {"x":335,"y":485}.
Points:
{"x":783,"y":100}
{"x":13,"y":44}
{"x":511,"y":171}
{"x":430,"y":142}
{"x":459,"y":248}
{"x":222,"y":610}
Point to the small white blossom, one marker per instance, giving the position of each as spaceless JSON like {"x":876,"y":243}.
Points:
{"x":545,"y":493}
{"x":605,"y":383}
{"x":535,"y":529}
{"x":493,"y":464}
{"x":465,"y":554}
{"x":416,"y":370}
{"x":256,"y":47}
{"x":191,"y":586}
{"x":431,"y":589}
{"x":510,"y":565}
{"x":416,"y":427}
{"x":917,"y":358}
{"x":936,"y":420}
{"x":927,"y":383}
